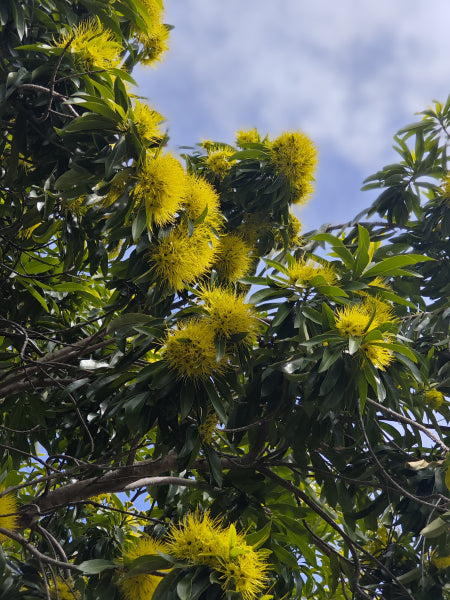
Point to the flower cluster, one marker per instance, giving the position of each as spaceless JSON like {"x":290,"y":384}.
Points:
{"x":93,"y":47}
{"x":229,"y":315}
{"x":179,"y":259}
{"x":434,"y":398}
{"x":233,"y":259}
{"x":247,"y":136}
{"x":201,"y":540}
{"x":359,"y":320}
{"x":143,"y":585}
{"x":155,"y":41}
{"x":160,"y":187}
{"x":303,"y":271}
{"x":63,"y":589}
{"x":190,"y":349}
{"x":295,"y":158}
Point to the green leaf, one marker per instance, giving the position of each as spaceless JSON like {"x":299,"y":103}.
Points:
{"x":147,"y":563}
{"x":257,"y":538}
{"x":390,"y":265}
{"x":338,"y":247}
{"x":215,"y":464}
{"x":96,"y":566}
{"x":435,"y":528}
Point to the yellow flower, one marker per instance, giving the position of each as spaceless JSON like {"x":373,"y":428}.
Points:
{"x":142,"y":586}
{"x":247,"y":136}
{"x":303,"y":271}
{"x":354,"y":321}
{"x":147,"y":122}
{"x":160,"y":187}
{"x":93,"y":46}
{"x":442,"y":562}
{"x":155,"y":44}
{"x":246,"y":574}
{"x":219,"y":162}
{"x":434,"y":398}
{"x":191,"y":352}
{"x":380,"y":357}
{"x":180,"y":259}
{"x":199,"y":540}
{"x":379,"y":282}
{"x":234,"y":260}
{"x":200,"y":196}
{"x":295,"y":158}
{"x":8,"y":513}
{"x":25,"y":234}
{"x":207,"y":428}
{"x":229,"y":314}
{"x":357,"y":320}
{"x":64,"y":590}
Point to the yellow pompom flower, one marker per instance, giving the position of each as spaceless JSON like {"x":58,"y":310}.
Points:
{"x":63,"y":590}
{"x":380,"y":357}
{"x":8,"y":513}
{"x":200,"y":196}
{"x":191,"y":352}
{"x":142,"y":586}
{"x":207,"y":428}
{"x":246,"y":574}
{"x":180,"y":259}
{"x":229,"y":314}
{"x":434,"y":398}
{"x":219,"y":162}
{"x":354,"y":321}
{"x":155,"y":41}
{"x":247,"y":136}
{"x":199,"y":540}
{"x":234,"y":257}
{"x":442,"y":562}
{"x":295,"y":158}
{"x":155,"y":44}
{"x":357,"y":320}
{"x":303,"y":271}
{"x":160,"y":187}
{"x":92,"y":46}
{"x":147,"y":122}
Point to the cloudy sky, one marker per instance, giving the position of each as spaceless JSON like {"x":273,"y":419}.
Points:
{"x":347,"y":73}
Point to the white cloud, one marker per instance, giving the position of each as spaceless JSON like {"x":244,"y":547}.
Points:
{"x":349,"y":72}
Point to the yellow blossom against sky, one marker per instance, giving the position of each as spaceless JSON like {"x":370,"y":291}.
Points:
{"x":302,"y":271}
{"x":295,"y":158}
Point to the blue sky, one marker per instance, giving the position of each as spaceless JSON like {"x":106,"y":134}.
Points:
{"x":347,"y":73}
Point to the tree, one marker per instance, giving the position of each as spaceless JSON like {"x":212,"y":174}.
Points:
{"x":197,"y":402}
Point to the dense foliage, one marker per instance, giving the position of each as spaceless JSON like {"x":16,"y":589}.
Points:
{"x":198,"y":402}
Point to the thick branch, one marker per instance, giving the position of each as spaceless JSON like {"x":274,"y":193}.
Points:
{"x":116,"y":480}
